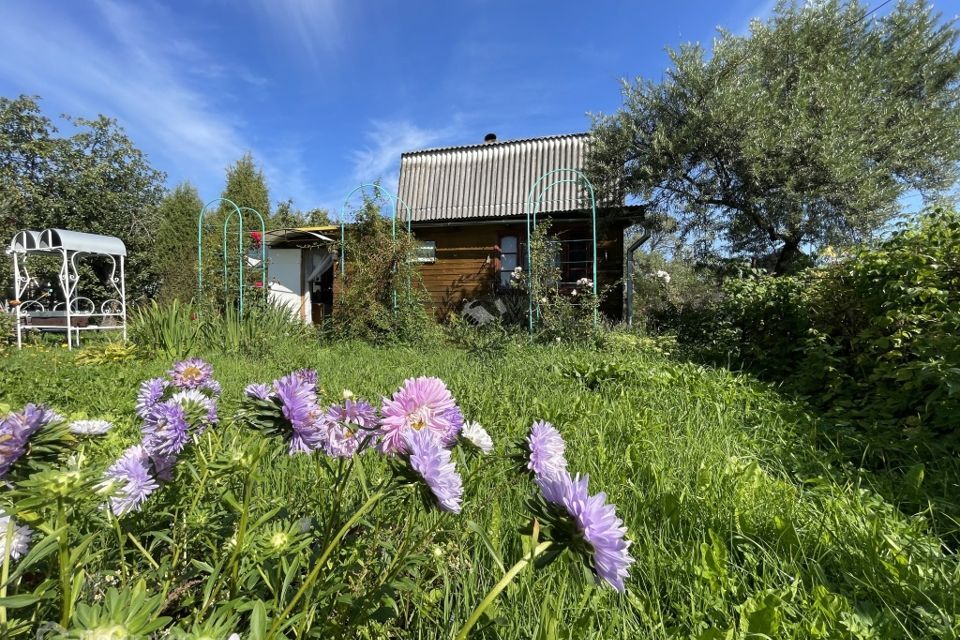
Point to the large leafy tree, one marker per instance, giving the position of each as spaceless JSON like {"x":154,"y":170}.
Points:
{"x":807,"y":131}
{"x":94,"y":180}
{"x":175,"y":249}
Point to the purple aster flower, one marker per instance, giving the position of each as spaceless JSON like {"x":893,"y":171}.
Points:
{"x":214,"y":387}
{"x":358,"y":412}
{"x":546,"y":450}
{"x":193,"y":399}
{"x":166,"y":431}
{"x":346,"y":424}
{"x":299,"y":404}
{"x":421,"y":403}
{"x":431,"y":461}
{"x":15,"y":431}
{"x":130,"y":478}
{"x":19,"y":541}
{"x":342,"y":439}
{"x":151,"y":392}
{"x":192,"y":373}
{"x":259,"y":391}
{"x":163,"y":466}
{"x":597,"y":523}
{"x":307,"y":375}
{"x":455,"y":417}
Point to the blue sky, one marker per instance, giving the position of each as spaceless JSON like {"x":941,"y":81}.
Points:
{"x":327,"y":93}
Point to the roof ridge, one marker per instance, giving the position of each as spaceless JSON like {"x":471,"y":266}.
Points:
{"x":495,"y":143}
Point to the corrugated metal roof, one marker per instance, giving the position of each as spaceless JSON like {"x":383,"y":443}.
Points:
{"x":490,"y":180}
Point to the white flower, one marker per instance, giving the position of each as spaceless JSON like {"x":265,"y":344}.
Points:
{"x":90,"y":427}
{"x":574,"y":292}
{"x":347,"y":394}
{"x":234,"y":636}
{"x":477,"y":436}
{"x":663,"y":275}
{"x":19,"y":541}
{"x":585,"y":283}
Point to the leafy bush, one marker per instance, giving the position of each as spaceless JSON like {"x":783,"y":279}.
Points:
{"x":873,"y":340}
{"x":383,"y":299}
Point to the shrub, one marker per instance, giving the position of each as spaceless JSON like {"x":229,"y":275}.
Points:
{"x":874,"y":338}
{"x":383,"y":299}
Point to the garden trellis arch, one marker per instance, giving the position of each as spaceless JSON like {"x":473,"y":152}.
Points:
{"x":394,"y":200}
{"x":532,"y":206}
{"x":241,"y":252}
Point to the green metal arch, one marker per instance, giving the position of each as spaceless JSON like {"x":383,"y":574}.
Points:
{"x":531,"y":208}
{"x":394,"y":199}
{"x":238,"y":211}
{"x":241,"y":256}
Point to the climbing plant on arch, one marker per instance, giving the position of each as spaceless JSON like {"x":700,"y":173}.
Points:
{"x":532,"y":206}
{"x":234,"y":212}
{"x":394,"y":200}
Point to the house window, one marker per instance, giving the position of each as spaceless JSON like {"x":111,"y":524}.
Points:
{"x":509,"y":258}
{"x":426,"y":251}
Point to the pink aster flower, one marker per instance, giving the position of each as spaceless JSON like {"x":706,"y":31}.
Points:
{"x":420,"y":404}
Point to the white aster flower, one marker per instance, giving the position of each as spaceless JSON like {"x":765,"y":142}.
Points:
{"x":90,"y":427}
{"x":477,"y":436}
{"x":19,"y":541}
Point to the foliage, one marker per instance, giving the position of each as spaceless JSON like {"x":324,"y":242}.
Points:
{"x":94,"y":180}
{"x":560,"y":313}
{"x":286,"y":216}
{"x":175,"y":248}
{"x":805,"y":132}
{"x":177,"y":329}
{"x":383,"y":298}
{"x":107,"y":351}
{"x":872,"y":339}
{"x":741,"y":525}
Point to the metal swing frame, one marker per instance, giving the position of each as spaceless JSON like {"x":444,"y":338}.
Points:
{"x":68,"y":315}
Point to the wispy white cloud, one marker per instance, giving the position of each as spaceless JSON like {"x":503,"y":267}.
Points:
{"x":315,"y":25}
{"x":122,"y":64}
{"x":386,"y":140}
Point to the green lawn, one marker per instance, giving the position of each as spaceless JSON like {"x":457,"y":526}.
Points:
{"x":740,"y":524}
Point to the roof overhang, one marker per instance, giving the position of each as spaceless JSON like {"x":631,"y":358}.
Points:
{"x":295,"y":238}
{"x":57,"y":240}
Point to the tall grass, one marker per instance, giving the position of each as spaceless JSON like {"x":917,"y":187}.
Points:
{"x":741,"y":526}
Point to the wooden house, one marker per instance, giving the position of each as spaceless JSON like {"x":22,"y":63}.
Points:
{"x":468,"y":212}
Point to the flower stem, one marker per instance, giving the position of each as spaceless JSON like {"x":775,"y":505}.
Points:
{"x":66,"y":577}
{"x":7,"y":545}
{"x":241,"y":533}
{"x":318,"y":566}
{"x":500,"y":586}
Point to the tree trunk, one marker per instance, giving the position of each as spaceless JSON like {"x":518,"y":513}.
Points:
{"x":788,"y":253}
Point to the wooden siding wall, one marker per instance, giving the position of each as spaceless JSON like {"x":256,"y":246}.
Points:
{"x":467,"y":262}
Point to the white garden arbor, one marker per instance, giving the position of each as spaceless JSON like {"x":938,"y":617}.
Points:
{"x":69,"y":312}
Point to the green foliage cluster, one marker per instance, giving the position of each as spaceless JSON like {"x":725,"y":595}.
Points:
{"x":805,"y":132}
{"x":742,"y":526}
{"x":176,"y":330}
{"x":382,"y":298}
{"x":872,"y":339}
{"x":175,"y":249}
{"x":94,"y":180}
{"x":560,"y":314}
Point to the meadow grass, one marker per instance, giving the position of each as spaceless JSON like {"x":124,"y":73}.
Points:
{"x":741,"y":525}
